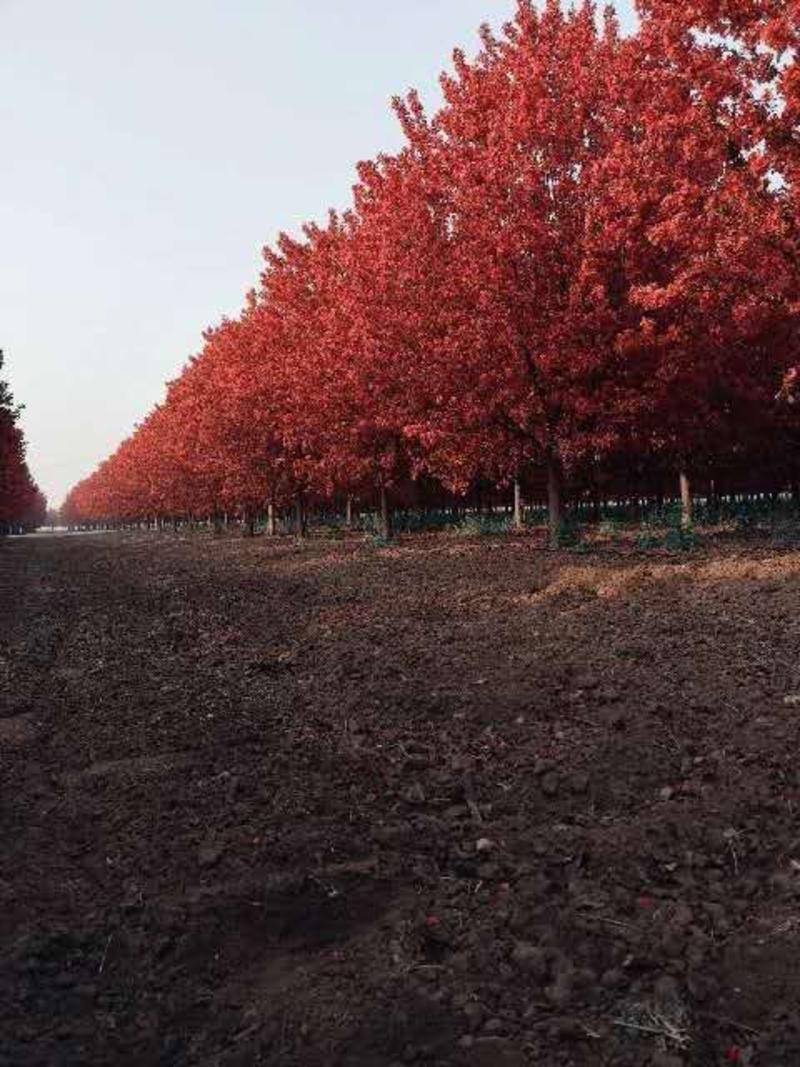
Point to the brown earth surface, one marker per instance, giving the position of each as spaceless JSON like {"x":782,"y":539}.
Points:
{"x":455,"y":802}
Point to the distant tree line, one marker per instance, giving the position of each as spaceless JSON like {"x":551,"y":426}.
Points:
{"x":22,"y":506}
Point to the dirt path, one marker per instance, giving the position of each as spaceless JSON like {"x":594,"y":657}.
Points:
{"x":453,"y":803}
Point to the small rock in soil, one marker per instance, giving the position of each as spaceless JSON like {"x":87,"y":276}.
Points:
{"x":682,"y":916}
{"x":550,"y":784}
{"x":612,"y":979}
{"x":487,"y":872}
{"x":529,"y":958}
{"x":666,"y":1059}
{"x":17,"y":729}
{"x":560,"y":992}
{"x":210,"y":854}
{"x":565,"y":1029}
{"x":415,"y":794}
{"x":496,"y":1052}
{"x":474,"y":1014}
{"x":587,"y":681}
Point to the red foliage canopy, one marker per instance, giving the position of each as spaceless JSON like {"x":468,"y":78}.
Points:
{"x":584,"y":262}
{"x":22,"y":505}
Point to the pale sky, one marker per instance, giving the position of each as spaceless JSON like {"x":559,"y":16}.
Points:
{"x":150,"y":150}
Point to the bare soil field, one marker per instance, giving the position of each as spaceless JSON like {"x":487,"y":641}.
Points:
{"x":454,"y":802}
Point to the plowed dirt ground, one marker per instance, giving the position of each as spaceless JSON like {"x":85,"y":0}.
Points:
{"x":454,"y":802}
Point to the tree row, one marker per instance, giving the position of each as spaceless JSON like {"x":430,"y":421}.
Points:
{"x":577,"y":279}
{"x":22,"y":506}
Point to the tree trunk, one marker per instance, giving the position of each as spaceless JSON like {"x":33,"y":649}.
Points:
{"x":300,"y":523}
{"x":270,"y":519}
{"x":249,"y":524}
{"x":385,"y":516}
{"x":686,"y":501}
{"x":517,"y":519}
{"x":597,"y":507}
{"x":554,"y":508}
{"x":348,"y":514}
